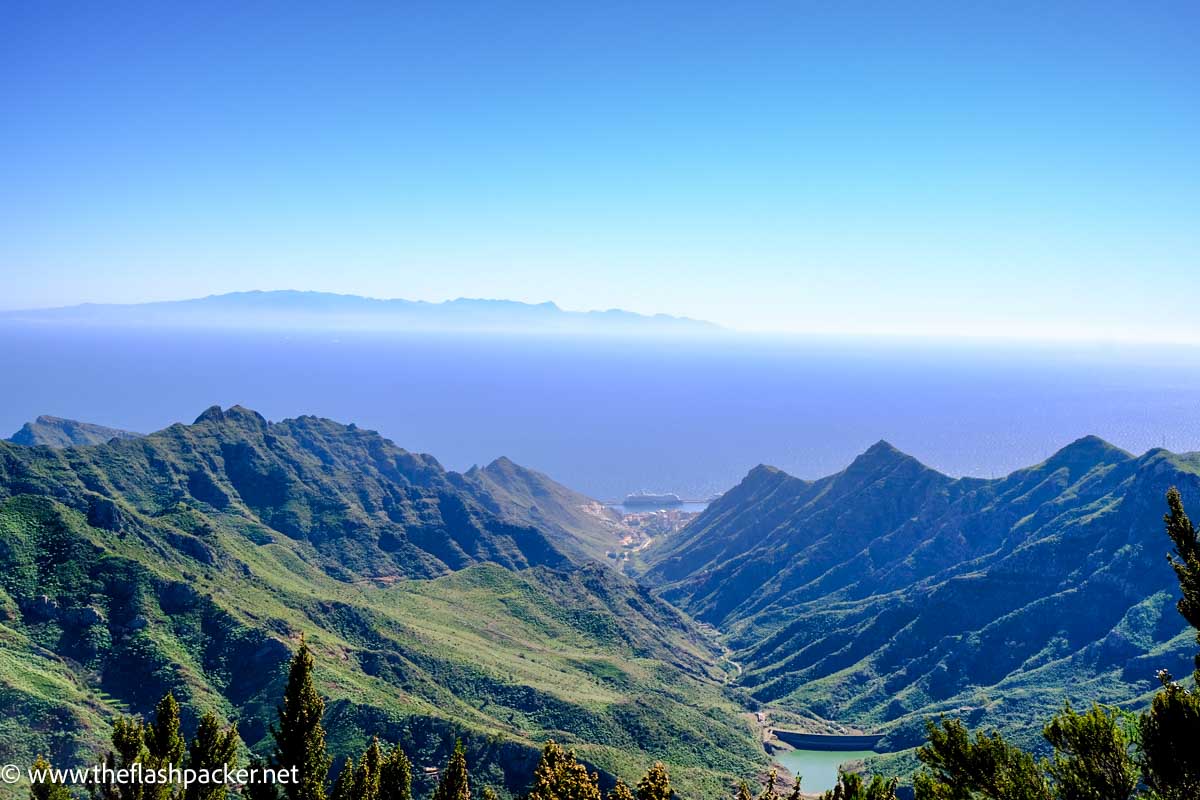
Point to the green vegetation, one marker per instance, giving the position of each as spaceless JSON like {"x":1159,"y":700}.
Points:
{"x":890,"y":594}
{"x":1094,"y":758}
{"x":430,"y":633}
{"x":189,"y":561}
{"x":47,"y":431}
{"x":656,"y":785}
{"x":211,"y":748}
{"x":560,"y":775}
{"x":1102,"y":754}
{"x":300,"y":736}
{"x":46,"y":788}
{"x":454,"y":783}
{"x":580,"y":525}
{"x":300,"y":752}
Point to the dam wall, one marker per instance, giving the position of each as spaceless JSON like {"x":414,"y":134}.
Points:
{"x":820,"y":741}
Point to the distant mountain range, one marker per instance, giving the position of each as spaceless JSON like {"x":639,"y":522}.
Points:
{"x":59,"y":432}
{"x":327,"y":311}
{"x":889,"y":593}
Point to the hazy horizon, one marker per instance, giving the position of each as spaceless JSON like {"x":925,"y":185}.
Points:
{"x":1016,"y":337}
{"x":898,"y":169}
{"x":608,"y":416}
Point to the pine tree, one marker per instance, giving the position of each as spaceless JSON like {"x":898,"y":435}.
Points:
{"x":1170,"y":760}
{"x":985,"y":766}
{"x":46,"y":789}
{"x":343,"y":787}
{"x":164,"y":746}
{"x":128,"y":741}
{"x":1185,"y":562}
{"x":395,"y":777}
{"x":211,"y":748}
{"x":768,"y":792}
{"x":455,"y":782}
{"x":851,"y":786}
{"x":656,"y":785}
{"x":299,"y":735}
{"x":489,"y":793}
{"x":1168,"y":732}
{"x":795,"y":795}
{"x":743,"y":792}
{"x":260,"y":789}
{"x":560,"y":776}
{"x":1091,"y":756}
{"x":366,"y":778}
{"x":619,"y":791}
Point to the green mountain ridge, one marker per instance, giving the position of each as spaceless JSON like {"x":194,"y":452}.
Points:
{"x":51,"y":431}
{"x":193,"y":558}
{"x":581,"y":525}
{"x":889,"y":593}
{"x":477,"y":605}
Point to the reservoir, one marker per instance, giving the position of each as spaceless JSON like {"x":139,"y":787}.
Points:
{"x":818,"y":767}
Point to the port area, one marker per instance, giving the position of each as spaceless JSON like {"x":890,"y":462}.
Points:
{"x":643,"y":525}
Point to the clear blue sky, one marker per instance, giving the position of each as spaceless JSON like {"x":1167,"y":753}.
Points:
{"x":971,"y":168}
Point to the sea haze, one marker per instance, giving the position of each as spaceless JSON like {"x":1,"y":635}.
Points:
{"x":613,"y":415}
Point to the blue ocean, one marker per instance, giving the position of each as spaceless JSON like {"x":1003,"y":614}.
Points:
{"x":609,"y":416}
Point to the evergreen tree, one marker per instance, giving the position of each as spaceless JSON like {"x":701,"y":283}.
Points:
{"x":260,"y":789}
{"x":366,"y":778}
{"x":656,"y":785}
{"x":619,"y":791}
{"x":46,"y":788}
{"x":343,"y":787}
{"x":489,"y":793}
{"x":128,"y":741}
{"x":987,"y":766}
{"x":795,"y":795}
{"x":1168,"y":732}
{"x":165,"y":746}
{"x":455,"y":781}
{"x":395,"y":777}
{"x":1185,"y":562}
{"x":1091,"y":756}
{"x":299,"y":735}
{"x":743,"y":792}
{"x":559,"y":776}
{"x":211,"y":748}
{"x":1091,"y":751}
{"x":851,"y":787}
{"x":768,"y":792}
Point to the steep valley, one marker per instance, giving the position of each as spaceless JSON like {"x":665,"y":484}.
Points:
{"x":890,"y":593}
{"x":192,"y":560}
{"x":484,"y":605}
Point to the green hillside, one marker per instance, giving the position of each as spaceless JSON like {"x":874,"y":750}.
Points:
{"x":577,"y":523}
{"x":192,"y":560}
{"x":889,"y":592}
{"x":50,"y":431}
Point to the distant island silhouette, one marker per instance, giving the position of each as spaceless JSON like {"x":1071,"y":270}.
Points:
{"x":329,"y":311}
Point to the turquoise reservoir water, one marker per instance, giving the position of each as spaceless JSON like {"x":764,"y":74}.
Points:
{"x":818,"y":767}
